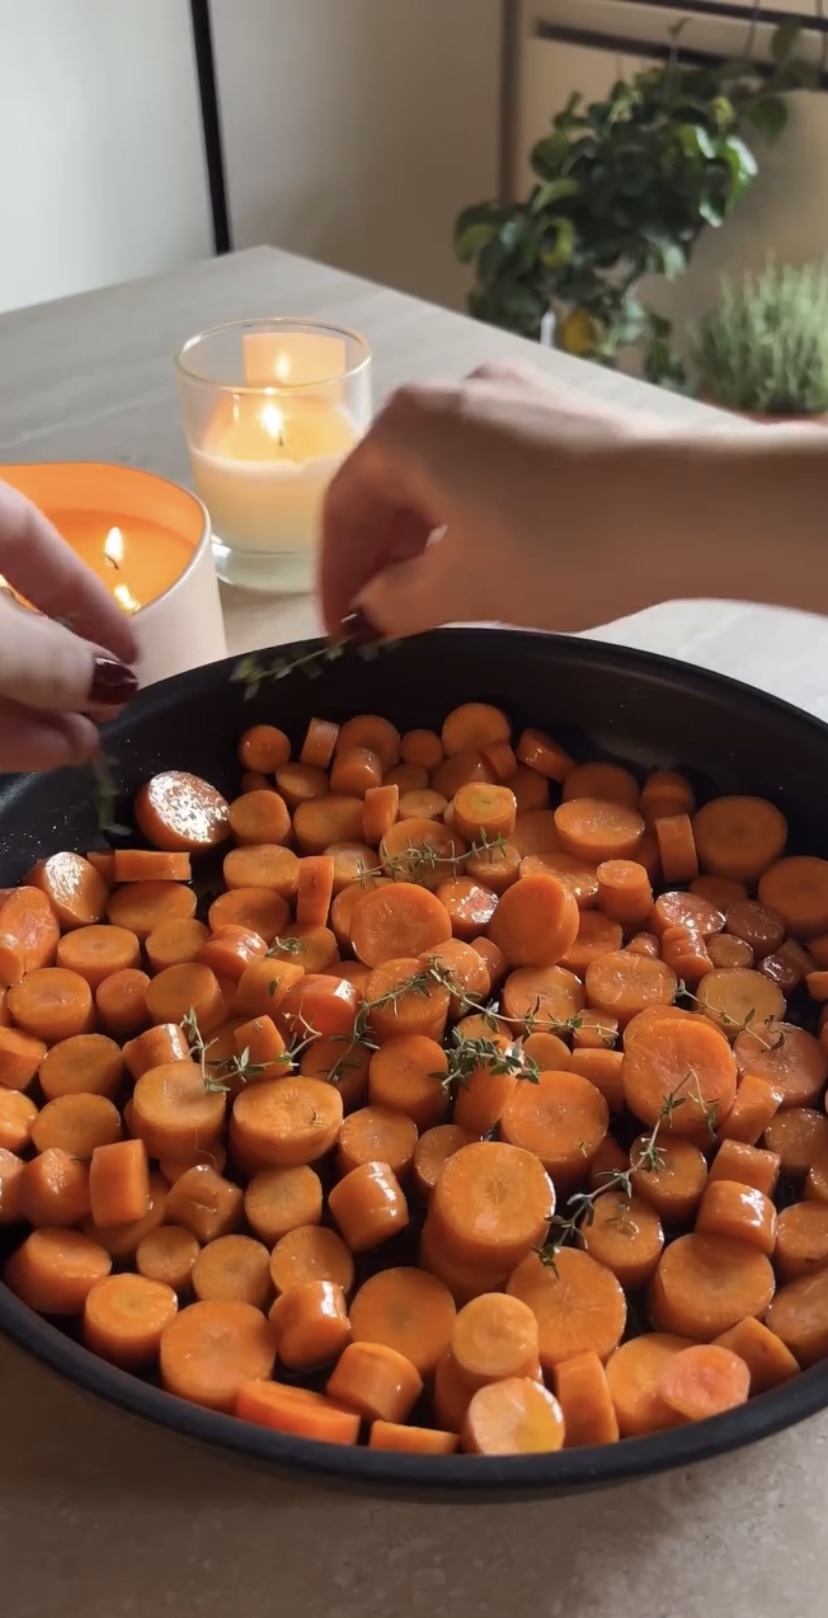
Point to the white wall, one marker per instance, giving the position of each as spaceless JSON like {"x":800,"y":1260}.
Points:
{"x":101,"y":167}
{"x":355,"y":130}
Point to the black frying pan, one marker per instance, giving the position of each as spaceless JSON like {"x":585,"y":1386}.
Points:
{"x":597,"y":700}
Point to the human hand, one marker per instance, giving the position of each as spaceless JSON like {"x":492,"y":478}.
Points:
{"x":55,"y":681}
{"x":527,"y":485}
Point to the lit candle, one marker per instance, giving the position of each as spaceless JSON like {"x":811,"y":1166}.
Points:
{"x":148,"y":542}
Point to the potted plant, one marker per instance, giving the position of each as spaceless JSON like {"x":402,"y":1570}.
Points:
{"x":763,"y":351}
{"x":625,"y":186}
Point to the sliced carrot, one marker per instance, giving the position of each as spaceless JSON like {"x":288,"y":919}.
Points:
{"x":103,"y":861}
{"x":494,"y":1337}
{"x":255,"y":781}
{"x":54,"y":1189}
{"x":357,"y":771}
{"x":536,"y":832}
{"x":479,"y":1222}
{"x":674,"y":1186}
{"x":679,"y":1060}
{"x":722,"y":891}
{"x":422,"y":747}
{"x":666,"y":791}
{"x":75,"y":890}
{"x":151,"y":865}
{"x":121,"y":1241}
{"x":597,"y":935}
{"x":371,"y":730}
{"x":608,"y":782}
{"x":77,"y":1123}
{"x":52,"y":1004}
{"x":469,"y":903}
{"x":411,"y":1440}
{"x":756,"y":1104}
{"x":422,"y":803}
{"x":397,"y":1008}
{"x":278,"y":1200}
{"x":378,"y":1382}
{"x":53,"y":1271}
{"x":634,"y":1374}
{"x":156,"y":1047}
{"x":502,"y":759}
{"x":311,"y":1325}
{"x":562,"y":1119}
{"x":725,"y":951}
{"x":311,"y":947}
{"x":140,"y":907}
{"x":205,"y":1203}
{"x":798,"y":1135}
{"x":264,"y":748}
{"x":748,"y":1165}
{"x":484,"y":811}
{"x":121,"y":1002}
{"x":397,"y":920}
{"x":17,"y":1114}
{"x":260,"y":1046}
{"x":168,"y":1254}
{"x":20,"y":1058}
{"x":11,"y":1175}
{"x":264,"y":986}
{"x":598,"y":831}
{"x":369,"y":1206}
{"x":583,"y":1393}
{"x":483,"y":1095}
{"x":210,"y":1350}
{"x":263,"y":911}
{"x":29,"y":933}
{"x":377,"y":1135}
{"x":623,"y":984}
{"x":704,"y":1380}
{"x":124,"y":1317}
{"x":311,"y":1253}
{"x":625,"y":1234}
{"x":334,"y":818}
{"x":119,"y":1187}
{"x":494,"y":869}
{"x":408,"y":1310}
{"x":299,"y":783}
{"x":802,"y":1240}
{"x":729,"y":1208}
{"x":579,"y":1305}
{"x":173,"y":1169}
{"x":174,"y":943}
{"x":405,"y":1076}
{"x":539,"y":753}
{"x":604,"y":1069}
{"x":317,"y":1004}
{"x":799,"y":1316}
{"x":768,"y":1361}
{"x":297,"y":1411}
{"x":705,"y":1284}
{"x":431,"y":1152}
{"x":173,"y":1113}
{"x":340,"y":1062}
{"x":548,"y":1050}
{"x":739,"y":837}
{"x":288,"y":1121}
{"x":315,"y":890}
{"x":233,"y":1268}
{"x":677,"y":848}
{"x":691,"y":910}
{"x":408,"y":778}
{"x":790,"y":1058}
{"x":624,"y":892}
{"x":735,"y":1000}
{"x":464,"y":1282}
{"x":759,"y":926}
{"x":263,"y":865}
{"x":473,"y":726}
{"x":344,"y":905}
{"x":260,"y":817}
{"x":536,"y":922}
{"x":514,"y":1417}
{"x":686,"y":954}
{"x":422,"y":851}
{"x":177,"y":811}
{"x":576,"y":874}
{"x":463,"y":970}
{"x":816,"y":1180}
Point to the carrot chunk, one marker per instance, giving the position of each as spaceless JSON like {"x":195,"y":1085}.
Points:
{"x":515,"y":1417}
{"x":124,"y":1317}
{"x":210,"y":1350}
{"x":704,"y":1380}
{"x":705,"y":1283}
{"x":583,"y":1393}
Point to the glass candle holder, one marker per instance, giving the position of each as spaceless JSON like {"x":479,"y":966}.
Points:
{"x":271,"y":408}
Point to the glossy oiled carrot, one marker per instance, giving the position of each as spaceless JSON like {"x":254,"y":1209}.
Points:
{"x":263,"y":986}
{"x":177,"y":811}
{"x":798,"y":1135}
{"x":597,"y":831}
{"x":297,"y":1411}
{"x":729,"y":1208}
{"x":677,"y":852}
{"x":683,"y":1058}
{"x":210,"y":1350}
{"x":431,"y":1152}
{"x":469,"y":903}
{"x":263,"y":865}
{"x":740,"y":998}
{"x":634,"y":1374}
{"x":404,"y":1075}
{"x":705,"y":1284}
{"x":398,"y":1009}
{"x":311,"y":1325}
{"x":514,"y":1417}
{"x":536,"y":922}
{"x":52,"y":1004}
{"x":264,"y":748}
{"x":261,"y":910}
{"x":686,"y":954}
{"x":173,"y":1113}
{"x":406,"y":1309}
{"x":673,"y":1185}
{"x":768,"y":1361}
{"x":124,"y":1317}
{"x":626,"y":1235}
{"x":278,"y":1200}
{"x":422,"y":747}
{"x":20,"y":1058}
{"x":622,"y":983}
{"x":597,"y":935}
{"x":315,"y":1004}
{"x":17,"y":1114}
{"x":121,"y":1241}
{"x":579,"y":1305}
{"x":11,"y":1175}
{"x":473,"y":726}
{"x":369,"y":1206}
{"x":478,"y":1221}
{"x":205,"y":1203}
{"x":311,"y":1253}
{"x":411,"y":1440}
{"x":538,"y":997}
{"x":29,"y":933}
{"x":151,"y":865}
{"x":157,"y":1047}
{"x":140,"y":907}
{"x":624,"y":892}
{"x":174,"y":943}
{"x":665,"y":792}
{"x":747,"y":1165}
{"x":167,"y":1254}
{"x":119,"y":1187}
{"x":604,"y":1069}
{"x":561,"y":1120}
{"x":539,"y":753}
{"x":802,"y":1240}
{"x":790,"y":1058}
{"x":233,"y":1268}
{"x":121,"y":1002}
{"x":288,"y":1121}
{"x":377,"y":1135}
{"x":739,"y":837}
{"x":77,"y":1123}
{"x":229,"y":951}
{"x":494,"y":1337}
{"x":704,"y":1380}
{"x":799,"y":1316}
{"x":75,"y":890}
{"x":395,"y":921}
{"x":97,"y":952}
{"x":54,"y":1189}
{"x":753,"y":1110}
{"x":54,"y":1271}
{"x":583,"y":1393}
{"x":260,"y":817}
{"x":378,"y":1382}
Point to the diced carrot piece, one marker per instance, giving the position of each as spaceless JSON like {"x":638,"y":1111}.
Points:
{"x":609,"y":783}
{"x":29,"y":933}
{"x":311,"y":1253}
{"x":478,"y":1223}
{"x":177,"y":812}
{"x":264,"y":748}
{"x":677,"y":848}
{"x":634,"y":1374}
{"x":20,"y":1057}
{"x":748,"y":1165}
{"x":376,"y":1381}
{"x":296,"y":1411}
{"x":121,"y":1002}
{"x":768,"y":1361}
{"x":53,"y":1271}
{"x":583,"y":1393}
{"x":119,"y":1187}
{"x":311,"y":1325}
{"x":729,"y":1208}
{"x":369,"y":1206}
{"x":411,"y":1440}
{"x":538,"y":752}
{"x":422,"y":747}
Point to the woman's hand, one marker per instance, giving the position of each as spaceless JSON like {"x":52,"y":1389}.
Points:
{"x":526,"y":484}
{"x":54,"y":680}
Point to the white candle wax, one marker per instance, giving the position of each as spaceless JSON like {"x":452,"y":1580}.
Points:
{"x":264,"y":464}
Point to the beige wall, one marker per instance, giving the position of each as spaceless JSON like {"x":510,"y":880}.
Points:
{"x":355,"y":130}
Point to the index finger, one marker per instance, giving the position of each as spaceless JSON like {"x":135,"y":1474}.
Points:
{"x":43,"y":568}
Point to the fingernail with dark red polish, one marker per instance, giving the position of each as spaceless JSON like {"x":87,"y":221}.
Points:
{"x":112,"y":683}
{"x":358,"y":630}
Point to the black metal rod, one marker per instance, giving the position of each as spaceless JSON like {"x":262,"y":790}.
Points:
{"x":620,"y":45}
{"x":719,"y":10}
{"x":211,"y":123}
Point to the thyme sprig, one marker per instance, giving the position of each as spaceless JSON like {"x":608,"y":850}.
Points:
{"x":218,"y":1077}
{"x":468,"y":1055}
{"x":253,"y":673}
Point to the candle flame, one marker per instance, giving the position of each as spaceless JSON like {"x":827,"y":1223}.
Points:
{"x":283,"y":368}
{"x":124,"y":597}
{"x":273,"y":422}
{"x":114,"y":547}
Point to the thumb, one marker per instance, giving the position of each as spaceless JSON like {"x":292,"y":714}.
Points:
{"x":415,"y":595}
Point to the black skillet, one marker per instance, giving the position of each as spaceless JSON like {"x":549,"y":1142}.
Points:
{"x":597,"y":700}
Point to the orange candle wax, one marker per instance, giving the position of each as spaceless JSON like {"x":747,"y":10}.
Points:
{"x":134,"y":557}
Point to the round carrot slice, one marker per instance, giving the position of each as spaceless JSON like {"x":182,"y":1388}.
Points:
{"x":579,"y":1305}
{"x":433,"y":1148}
{"x":536,"y":922}
{"x":574,"y":873}
{"x":377,"y":1135}
{"x":674,"y":1185}
{"x":542,"y":996}
{"x":75,"y":890}
{"x":492,"y":1203}
{"x":334,"y":818}
{"x":625,"y":1234}
{"x":76,"y":1123}
{"x":140,"y":907}
{"x":233,"y":1268}
{"x":738,"y":999}
{"x":562,"y":1119}
{"x":790,"y":1058}
{"x":260,"y":909}
{"x":17,"y":1114}
{"x":288,"y":1121}
{"x":473,"y":726}
{"x":398,"y":920}
{"x":405,"y":1076}
{"x":802,"y":1239}
{"x":597,"y":935}
{"x":765,"y":1355}
{"x":469,"y":905}
{"x":311,"y":1253}
{"x":210,"y":1350}
{"x":535,"y":832}
{"x":88,"y":1063}
{"x":704,"y":1380}
{"x":422,"y":747}
{"x":623,"y":983}
{"x":583,"y":1394}
{"x":173,"y":1113}
{"x":177,"y":811}
{"x":174,"y":943}
{"x":421,"y":851}
{"x":404,"y":1000}
{"x":260,"y":817}
{"x":634,"y":1374}
{"x":483,"y":810}
{"x":799,"y":1315}
{"x":52,"y":1004}
{"x":54,"y":1271}
{"x":264,"y":748}
{"x":798,"y":889}
{"x":680,"y":1071}
{"x":691,"y":910}
{"x":609,"y":782}
{"x":739,"y":837}
{"x":167,"y":1254}
{"x":406,"y":1309}
{"x":513,"y":1417}
{"x":598,"y":831}
{"x":124,"y":1317}
{"x":797,"y":1135}
{"x":705,"y":1284}
{"x":263,"y":865}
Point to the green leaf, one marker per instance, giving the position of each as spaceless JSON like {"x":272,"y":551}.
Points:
{"x":554,"y":191}
{"x":695,"y":141}
{"x":768,"y":116}
{"x":548,"y":155}
{"x":475,"y":227}
{"x":784,"y":38}
{"x":563,"y":247}
{"x":712,"y":213}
